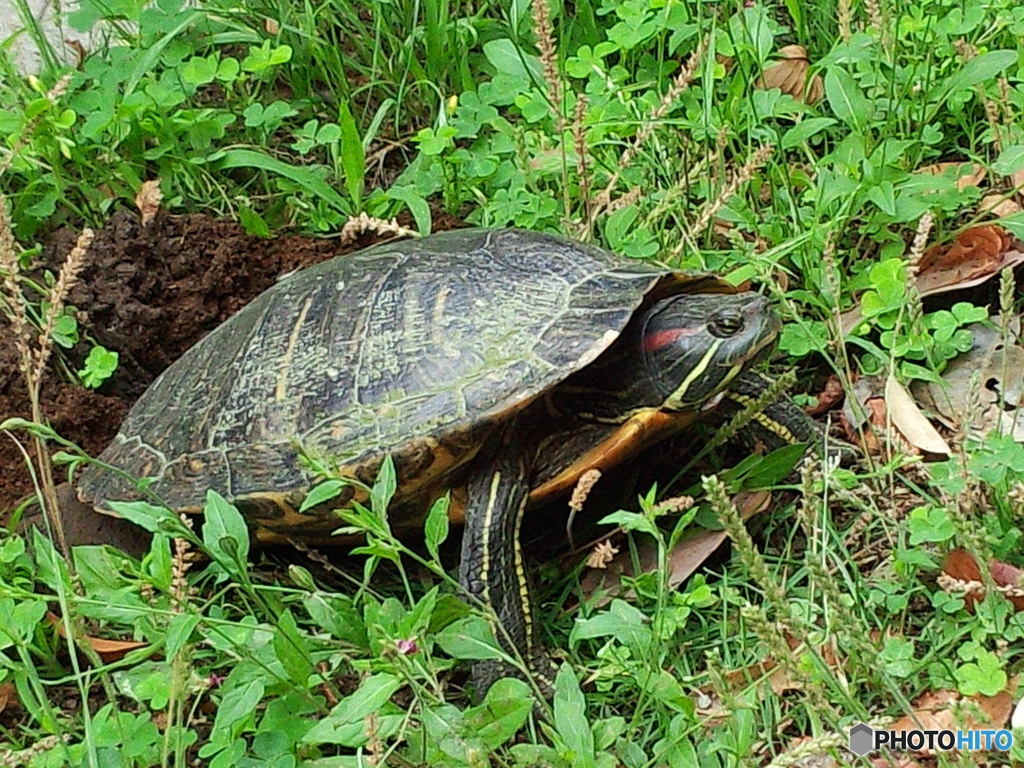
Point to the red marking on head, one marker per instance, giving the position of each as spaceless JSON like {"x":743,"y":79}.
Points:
{"x":660,"y":339}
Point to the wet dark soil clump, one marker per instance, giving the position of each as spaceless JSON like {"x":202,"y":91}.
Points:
{"x":148,"y":293}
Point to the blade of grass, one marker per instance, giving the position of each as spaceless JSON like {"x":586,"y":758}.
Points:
{"x":247,"y":158}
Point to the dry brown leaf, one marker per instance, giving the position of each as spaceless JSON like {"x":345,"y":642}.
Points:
{"x":776,"y":676}
{"x":998,"y":205}
{"x":968,"y":174}
{"x":1017,"y":718}
{"x":8,"y":697}
{"x":961,"y":566}
{"x":830,"y":396}
{"x":976,"y":255}
{"x":271,"y":27}
{"x":908,"y":419}
{"x":976,"y":247}
{"x":789,"y":74}
{"x":898,"y":760}
{"x":148,"y":200}
{"x":938,"y":711}
{"x":685,"y":558}
{"x":107,"y":650}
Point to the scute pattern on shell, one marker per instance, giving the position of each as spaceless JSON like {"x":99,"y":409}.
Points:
{"x":373,"y":353}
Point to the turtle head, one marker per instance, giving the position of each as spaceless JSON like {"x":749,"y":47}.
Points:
{"x":694,"y":345}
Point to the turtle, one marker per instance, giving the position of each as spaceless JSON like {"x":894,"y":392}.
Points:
{"x":499,"y":364}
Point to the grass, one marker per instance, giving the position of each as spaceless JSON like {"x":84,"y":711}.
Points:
{"x":638,"y":126}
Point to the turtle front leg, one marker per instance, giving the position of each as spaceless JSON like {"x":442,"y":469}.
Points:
{"x":492,"y":568}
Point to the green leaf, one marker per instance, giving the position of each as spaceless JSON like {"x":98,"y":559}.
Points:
{"x":929,"y":524}
{"x":505,"y":709}
{"x":247,"y":158}
{"x":804,"y":130}
{"x":630,"y":521}
{"x":353,"y":159}
{"x":226,"y":535}
{"x":571,"y":719}
{"x":238,"y":704}
{"x":1015,"y":223}
{"x":337,"y":615}
{"x":19,"y":619}
{"x":152,"y":518}
{"x":345,"y":724}
{"x":977,"y":70}
{"x":261,"y":58}
{"x":846,"y":98}
{"x":436,"y":527}
{"x":984,"y":676}
{"x":469,"y":638}
{"x":253,"y":223}
{"x":290,"y":649}
{"x":318,"y":494}
{"x":418,"y":206}
{"x":179,"y":631}
{"x":626,"y":623}
{"x":200,"y":70}
{"x":65,"y":331}
{"x":888,"y":279}
{"x":227,"y":71}
{"x":1010,"y":160}
{"x":884,"y":196}
{"x":509,"y":60}
{"x":773,"y":467}
{"x":99,"y":366}
{"x":383,"y":488}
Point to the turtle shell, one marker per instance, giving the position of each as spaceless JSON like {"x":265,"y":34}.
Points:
{"x":414,"y":349}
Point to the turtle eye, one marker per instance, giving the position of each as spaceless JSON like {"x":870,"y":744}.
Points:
{"x":726,"y":323}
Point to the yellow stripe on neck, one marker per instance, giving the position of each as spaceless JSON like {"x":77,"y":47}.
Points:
{"x":674,"y":401}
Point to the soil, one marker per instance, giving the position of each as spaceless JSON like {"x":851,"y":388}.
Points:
{"x":148,"y":293}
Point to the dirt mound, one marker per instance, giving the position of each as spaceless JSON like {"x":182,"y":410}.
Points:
{"x":149,"y":293}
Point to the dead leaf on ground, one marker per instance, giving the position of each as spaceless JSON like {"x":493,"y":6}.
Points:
{"x":8,"y":697}
{"x":946,"y":710}
{"x":885,"y":409}
{"x":899,"y":760}
{"x":148,"y":200}
{"x":912,"y":424}
{"x":975,"y":252}
{"x":967,"y":174}
{"x":999,"y":205}
{"x":976,"y":255}
{"x":685,"y":558}
{"x":789,"y":74}
{"x":961,"y":566}
{"x":778,"y":679}
{"x":994,"y":399}
{"x":830,"y":396}
{"x":1017,"y":718}
{"x":107,"y":650}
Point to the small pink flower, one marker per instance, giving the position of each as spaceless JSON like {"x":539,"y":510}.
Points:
{"x":214,"y":680}
{"x":406,"y":647}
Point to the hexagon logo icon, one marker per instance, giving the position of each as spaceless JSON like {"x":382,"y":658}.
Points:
{"x":862,"y":739}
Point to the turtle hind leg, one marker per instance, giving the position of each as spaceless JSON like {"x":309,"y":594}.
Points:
{"x":492,"y":570}
{"x":84,"y":525}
